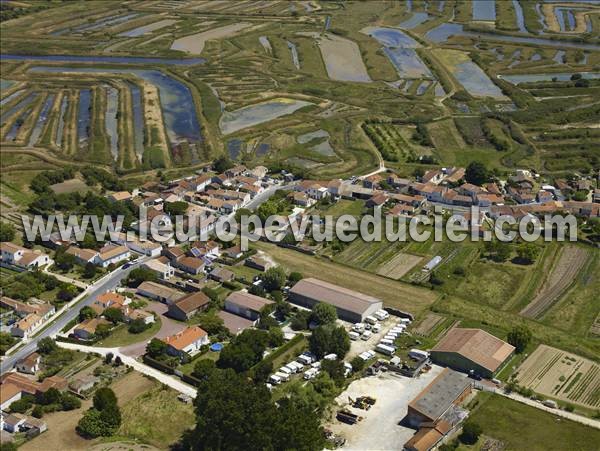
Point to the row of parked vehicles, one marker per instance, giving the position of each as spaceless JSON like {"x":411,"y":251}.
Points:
{"x":386,"y":344}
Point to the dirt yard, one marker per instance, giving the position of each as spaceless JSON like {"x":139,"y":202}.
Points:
{"x":61,"y":433}
{"x":194,"y":43}
{"x":561,"y":276}
{"x":562,"y":375}
{"x":379,"y":428}
{"x":428,"y":324}
{"x":398,"y":266}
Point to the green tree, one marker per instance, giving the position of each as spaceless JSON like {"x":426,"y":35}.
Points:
{"x":295,"y":277}
{"x":274,"y":278}
{"x":7,"y":231}
{"x":21,"y":405}
{"x":178,"y":208}
{"x":203,"y":369}
{"x":222,"y":163}
{"x":46,"y":346}
{"x":89,"y":271}
{"x":114,"y":315}
{"x":102,"y":330}
{"x":476,"y":173}
{"x":86,"y":313}
{"x":470,"y":433}
{"x":335,"y":369}
{"x":139,"y":275}
{"x":137,"y":326}
{"x":275,"y":337}
{"x":527,"y":253}
{"x":357,"y":364}
{"x":67,"y":292}
{"x":519,"y":337}
{"x":64,"y":261}
{"x":300,"y":320}
{"x":324,"y":314}
{"x":329,"y":339}
{"x":69,"y":402}
{"x":104,"y":397}
{"x":92,"y":426}
{"x":50,"y":396}
{"x":156,"y":348}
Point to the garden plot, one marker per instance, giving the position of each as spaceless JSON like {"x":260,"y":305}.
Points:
{"x":561,"y":375}
{"x":398,"y":266}
{"x":343,"y":60}
{"x":194,"y":43}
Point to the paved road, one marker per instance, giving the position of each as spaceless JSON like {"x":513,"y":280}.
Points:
{"x":172,"y":381}
{"x":106,"y":283}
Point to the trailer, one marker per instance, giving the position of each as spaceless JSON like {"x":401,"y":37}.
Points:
{"x":385,"y":349}
{"x":347,"y":417}
{"x":283,"y":376}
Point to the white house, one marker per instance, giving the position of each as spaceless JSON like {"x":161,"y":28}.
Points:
{"x":163,"y":268}
{"x":111,"y":254}
{"x":188,"y":340}
{"x":13,"y":254}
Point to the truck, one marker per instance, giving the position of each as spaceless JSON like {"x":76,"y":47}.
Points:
{"x":385,"y":349}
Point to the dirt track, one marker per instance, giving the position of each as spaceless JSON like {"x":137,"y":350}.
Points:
{"x":562,"y":275}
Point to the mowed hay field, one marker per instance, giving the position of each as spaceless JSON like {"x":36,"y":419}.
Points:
{"x":562,"y":375}
{"x":394,"y":294}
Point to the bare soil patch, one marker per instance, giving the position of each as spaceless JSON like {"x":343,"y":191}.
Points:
{"x":398,"y":266}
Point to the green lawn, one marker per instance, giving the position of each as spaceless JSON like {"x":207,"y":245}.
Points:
{"x":156,"y":417}
{"x":121,"y":337}
{"x":523,"y":427}
{"x":344,"y":207}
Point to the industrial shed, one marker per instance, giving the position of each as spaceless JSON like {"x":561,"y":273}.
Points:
{"x":438,"y":401}
{"x":350,"y":305}
{"x":472,"y":350}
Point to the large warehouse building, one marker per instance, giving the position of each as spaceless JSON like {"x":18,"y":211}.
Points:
{"x":350,"y":305}
{"x":472,"y":349}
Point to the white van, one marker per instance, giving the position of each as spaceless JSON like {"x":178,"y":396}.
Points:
{"x":311,"y":373}
{"x":371,"y":320}
{"x":386,"y":341}
{"x":376,"y":328}
{"x":306,"y":360}
{"x":354,"y":335}
{"x":292,"y":368}
{"x":379,"y":316}
{"x":366,"y":335}
{"x":285,"y":369}
{"x":418,"y":354}
{"x":331,"y":356}
{"x":274,"y":379}
{"x":383,"y":313}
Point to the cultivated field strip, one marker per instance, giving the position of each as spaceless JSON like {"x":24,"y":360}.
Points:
{"x":561,"y":375}
{"x":562,"y":275}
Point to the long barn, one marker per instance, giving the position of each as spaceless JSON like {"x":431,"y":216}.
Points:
{"x":350,"y":305}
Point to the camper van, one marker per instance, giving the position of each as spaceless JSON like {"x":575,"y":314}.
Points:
{"x":274,"y":379}
{"x":331,"y":356}
{"x":376,"y":328}
{"x":358,"y":327}
{"x":354,"y":335}
{"x":371,"y":320}
{"x":366,"y":335}
{"x":306,"y":360}
{"x":283,"y":376}
{"x":311,"y":373}
{"x":387,"y":342}
{"x":385,"y":349}
{"x":285,"y":369}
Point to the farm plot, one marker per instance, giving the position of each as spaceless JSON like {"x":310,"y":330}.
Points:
{"x":388,"y":141}
{"x":562,"y":275}
{"x":562,"y":375}
{"x":398,"y":266}
{"x":194,"y":43}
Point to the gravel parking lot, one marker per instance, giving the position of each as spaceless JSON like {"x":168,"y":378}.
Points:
{"x":359,"y":346}
{"x":379,"y":428}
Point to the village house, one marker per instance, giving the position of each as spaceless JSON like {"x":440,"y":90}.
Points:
{"x":544,"y":196}
{"x":489,"y":199}
{"x":111,"y":299}
{"x":301,"y":199}
{"x":186,"y":307}
{"x":434,"y":176}
{"x":148,"y":248}
{"x":245,"y":304}
{"x":86,"y":329}
{"x":13,"y":254}
{"x":256,"y":262}
{"x":188,"y":341}
{"x":138,"y":314}
{"x":119,"y":196}
{"x":159,"y":292}
{"x":162,"y":268}
{"x":378,"y":200}
{"x":30,"y":364}
{"x":26,"y":326}
{"x":190,"y":265}
{"x":397,"y":182}
{"x":234,"y":252}
{"x":82,"y":256}
{"x":222,"y":275}
{"x":210,"y":249}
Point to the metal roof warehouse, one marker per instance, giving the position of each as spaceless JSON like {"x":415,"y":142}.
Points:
{"x":350,"y":305}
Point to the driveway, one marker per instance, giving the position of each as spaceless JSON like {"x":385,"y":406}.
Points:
{"x":168,"y":327}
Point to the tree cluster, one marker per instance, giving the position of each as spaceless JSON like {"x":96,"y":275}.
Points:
{"x":104,"y":418}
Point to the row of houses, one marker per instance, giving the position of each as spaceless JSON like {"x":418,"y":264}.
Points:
{"x":15,"y":255}
{"x":32,"y":315}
